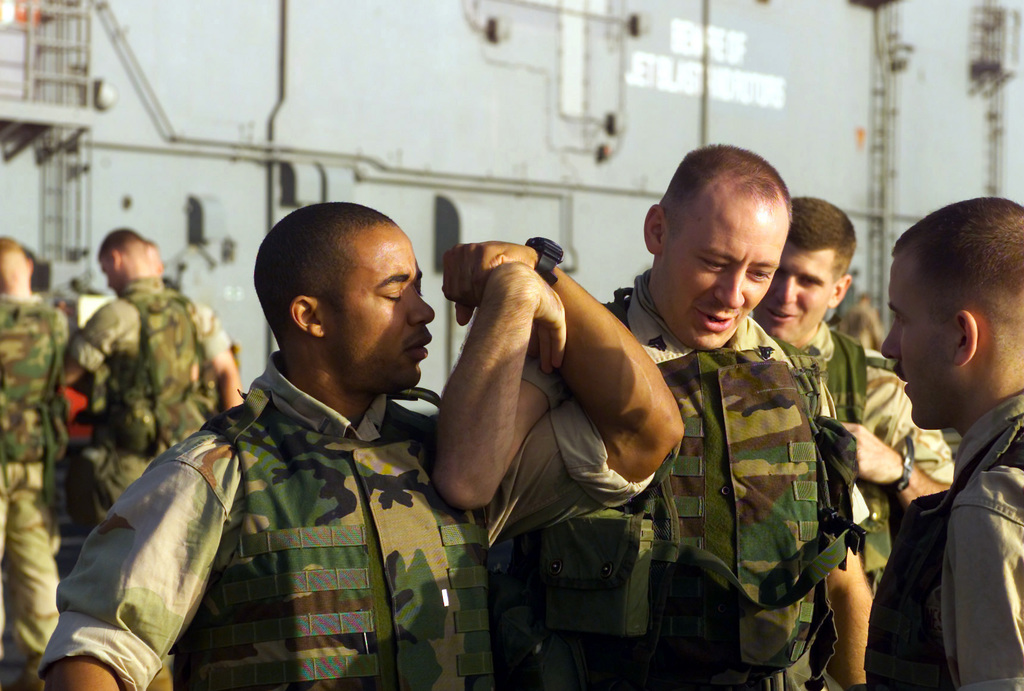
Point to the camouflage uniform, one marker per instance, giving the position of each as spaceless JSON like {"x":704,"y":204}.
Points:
{"x":209,"y":509}
{"x":885,"y":411}
{"x":147,"y":403}
{"x":681,"y":562}
{"x":949,"y":612}
{"x":33,"y":336}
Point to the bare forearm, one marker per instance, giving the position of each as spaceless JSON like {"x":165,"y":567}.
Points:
{"x":480,"y":406}
{"x":229,"y":382}
{"x":81,"y":674}
{"x":850,"y":597}
{"x":617,"y":384}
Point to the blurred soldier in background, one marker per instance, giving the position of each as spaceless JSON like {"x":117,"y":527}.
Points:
{"x":33,"y":435}
{"x":219,"y":380}
{"x":897,"y":460}
{"x":149,"y":346}
{"x":862,"y":323}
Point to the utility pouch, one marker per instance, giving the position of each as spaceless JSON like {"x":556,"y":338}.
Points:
{"x":596,"y":570}
{"x":134,"y":426}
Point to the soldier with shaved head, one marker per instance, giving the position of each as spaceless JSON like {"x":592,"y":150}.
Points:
{"x":322,"y":536}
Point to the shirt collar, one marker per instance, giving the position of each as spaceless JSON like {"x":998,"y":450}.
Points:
{"x":821,"y":344}
{"x":310,"y":412}
{"x":662,"y":345}
{"x":150,"y":284}
{"x":999,"y":425}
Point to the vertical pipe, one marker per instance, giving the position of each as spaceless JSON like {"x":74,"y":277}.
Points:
{"x":705,"y":20}
{"x":271,"y":158}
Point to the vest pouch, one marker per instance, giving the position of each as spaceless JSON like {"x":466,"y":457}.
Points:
{"x":596,"y":570}
{"x":134,"y":426}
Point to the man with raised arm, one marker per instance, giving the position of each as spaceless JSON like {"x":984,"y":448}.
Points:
{"x":300,"y":540}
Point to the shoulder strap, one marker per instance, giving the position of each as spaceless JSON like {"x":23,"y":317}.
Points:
{"x":619,"y":306}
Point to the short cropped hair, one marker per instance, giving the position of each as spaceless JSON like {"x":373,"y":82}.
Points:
{"x":751,"y":173}
{"x":971,"y":252}
{"x":123,"y":240}
{"x":9,"y":245}
{"x":306,"y":254}
{"x":818,"y":225}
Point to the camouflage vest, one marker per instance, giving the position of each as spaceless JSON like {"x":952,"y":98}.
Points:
{"x":350,"y":571}
{"x":152,"y":398}
{"x":905,"y":647}
{"x":33,"y":411}
{"x":710,"y":575}
{"x":848,"y":382}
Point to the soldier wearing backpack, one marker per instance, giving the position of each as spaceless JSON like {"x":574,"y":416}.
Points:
{"x":33,"y":434}
{"x":143,"y":352}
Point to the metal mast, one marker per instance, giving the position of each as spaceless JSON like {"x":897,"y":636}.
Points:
{"x":995,"y":35}
{"x":889,"y":59}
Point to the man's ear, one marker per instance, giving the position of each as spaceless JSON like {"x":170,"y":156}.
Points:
{"x":655,"y":229}
{"x":840,"y":290}
{"x":968,"y":333}
{"x":305,"y":315}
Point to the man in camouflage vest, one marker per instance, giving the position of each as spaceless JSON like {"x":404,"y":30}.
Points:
{"x":897,"y":460}
{"x":713,"y":577}
{"x":949,"y":611}
{"x":298,"y":541}
{"x":33,"y":434}
{"x":142,"y":353}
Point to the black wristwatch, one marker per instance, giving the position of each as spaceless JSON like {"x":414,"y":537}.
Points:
{"x":549,"y":255}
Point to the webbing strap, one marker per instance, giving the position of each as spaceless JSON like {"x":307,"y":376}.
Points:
{"x":284,"y":584}
{"x":473,"y":664}
{"x":686,"y":586}
{"x":890,"y":667}
{"x":689,"y":507}
{"x":255,"y":403}
{"x":469,"y":620}
{"x":302,"y":626}
{"x":302,"y":538}
{"x":289,"y":671}
{"x":805,"y":490}
{"x":814,"y":573}
{"x":463,"y":534}
{"x":468,"y":577}
{"x":688,"y":466}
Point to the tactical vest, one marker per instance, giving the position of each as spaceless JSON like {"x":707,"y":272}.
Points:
{"x":33,"y":411}
{"x":350,"y":571}
{"x":848,"y":382}
{"x":710,"y":575}
{"x":905,"y":647}
{"x":152,"y":397}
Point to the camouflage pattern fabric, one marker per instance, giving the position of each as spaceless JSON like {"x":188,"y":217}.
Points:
{"x":868,"y":392}
{"x":351,"y":574}
{"x":32,"y":419}
{"x":738,"y":556}
{"x":33,"y":411}
{"x":153,"y":397}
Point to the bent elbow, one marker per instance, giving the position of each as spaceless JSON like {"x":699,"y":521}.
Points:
{"x":458,"y":494}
